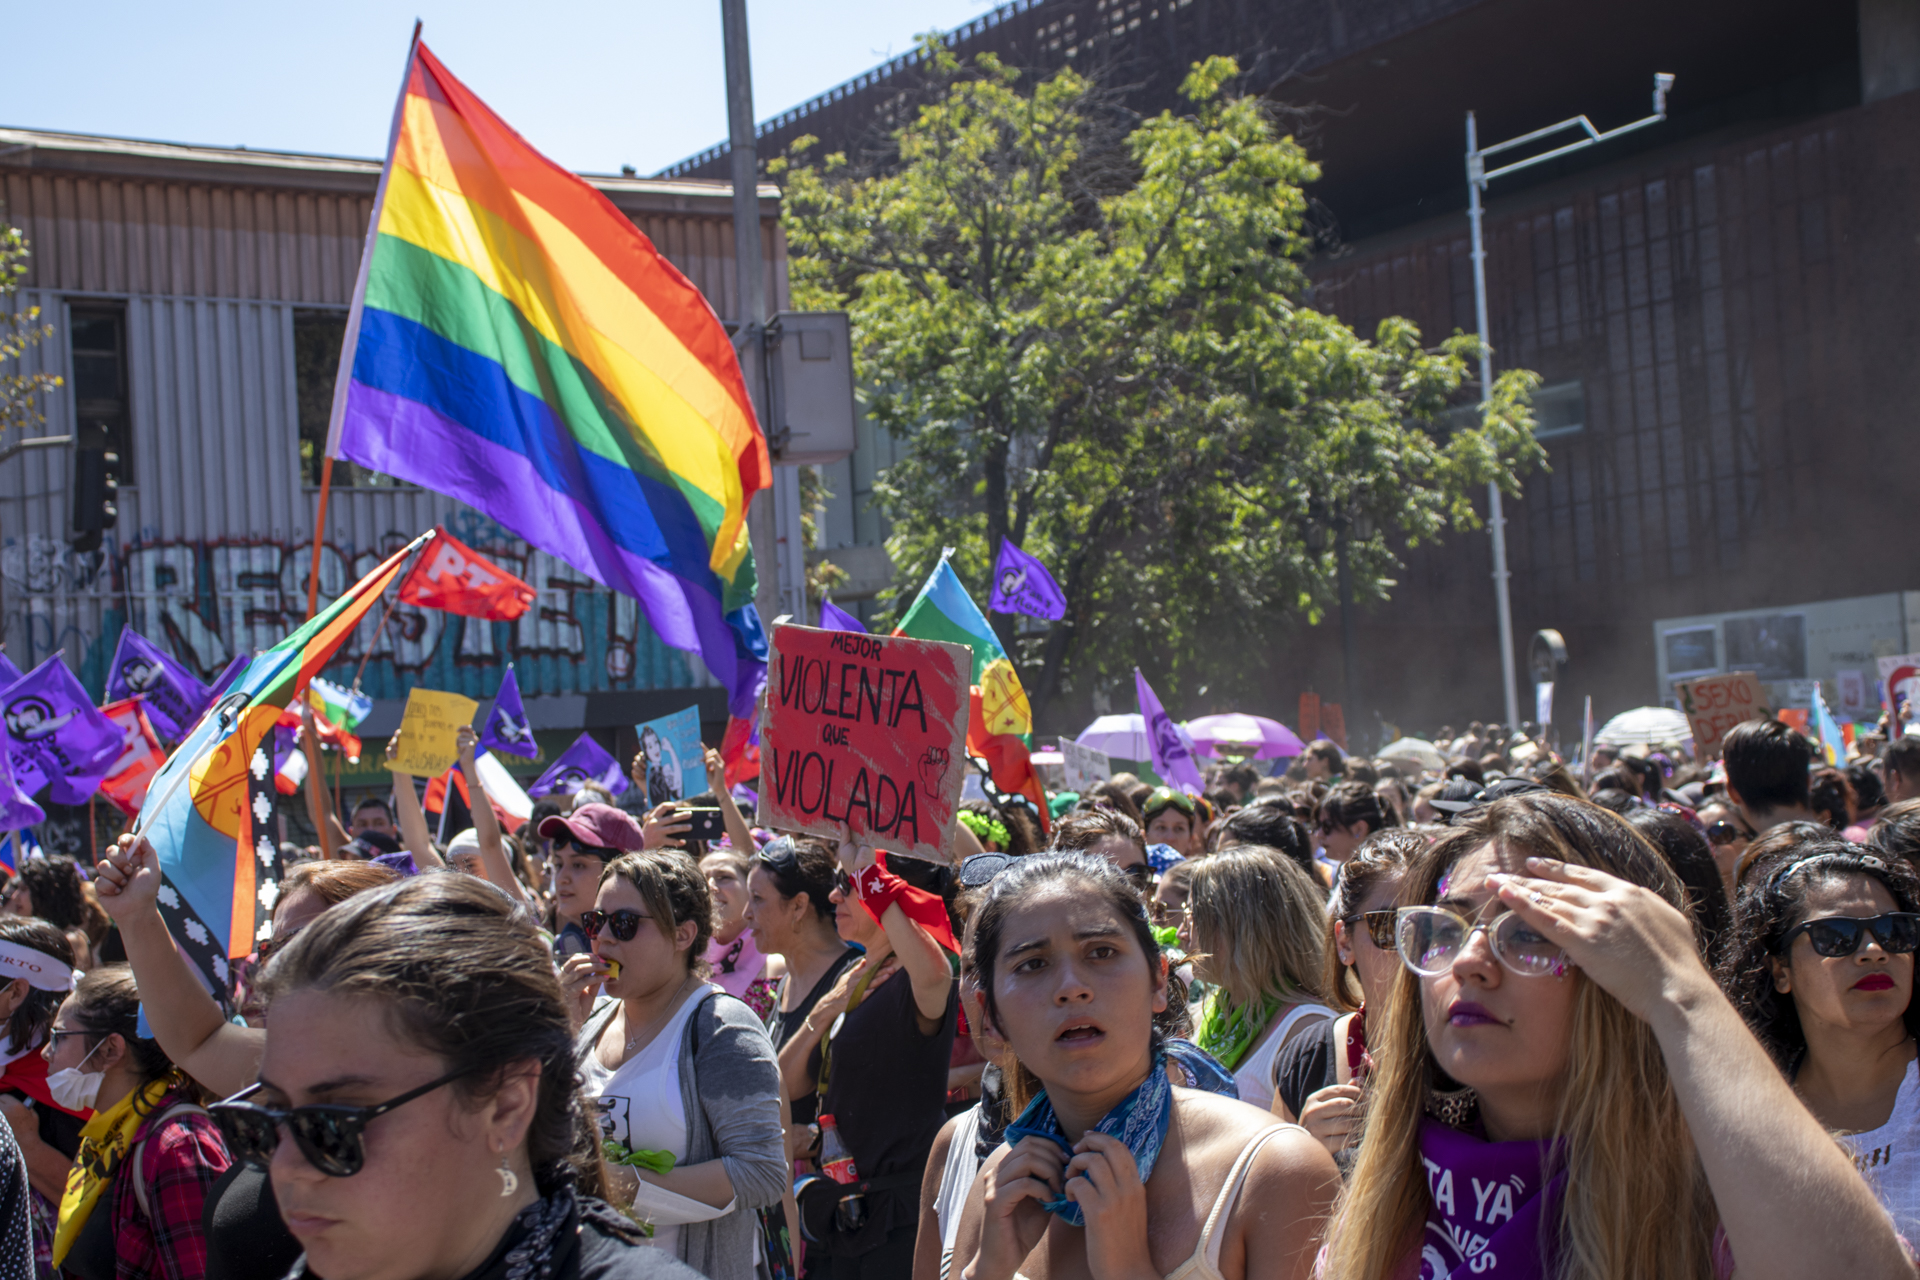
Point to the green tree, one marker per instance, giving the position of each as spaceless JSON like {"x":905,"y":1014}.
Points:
{"x":19,"y":330}
{"x":1092,"y":333}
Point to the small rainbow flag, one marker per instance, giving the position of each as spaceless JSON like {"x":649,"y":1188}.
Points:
{"x":515,"y":342}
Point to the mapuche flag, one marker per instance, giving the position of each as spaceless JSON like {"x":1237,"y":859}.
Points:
{"x":1000,"y":721}
{"x":515,"y":342}
{"x":207,"y":808}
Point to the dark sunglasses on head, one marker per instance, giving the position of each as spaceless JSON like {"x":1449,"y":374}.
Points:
{"x":622,"y":924}
{"x":332,"y":1138}
{"x":1724,"y":832}
{"x":1836,"y":937}
{"x":1381,"y":927}
{"x":1141,"y":874}
{"x":780,"y":854}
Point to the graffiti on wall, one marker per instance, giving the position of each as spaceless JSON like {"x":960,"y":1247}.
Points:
{"x":207,"y":601}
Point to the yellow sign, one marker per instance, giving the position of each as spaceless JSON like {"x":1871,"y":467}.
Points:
{"x":427,"y":732}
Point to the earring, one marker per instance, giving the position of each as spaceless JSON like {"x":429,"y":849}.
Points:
{"x":509,"y":1180}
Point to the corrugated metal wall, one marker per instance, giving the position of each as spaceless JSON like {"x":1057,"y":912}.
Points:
{"x":211,"y":551}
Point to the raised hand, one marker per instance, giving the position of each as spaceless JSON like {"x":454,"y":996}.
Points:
{"x":127,"y":879}
{"x":665,"y":826}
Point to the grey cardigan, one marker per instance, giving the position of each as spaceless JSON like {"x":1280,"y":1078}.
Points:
{"x":730,"y":1091}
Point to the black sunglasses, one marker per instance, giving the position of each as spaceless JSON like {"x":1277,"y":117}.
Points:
{"x":622,"y":924}
{"x":1724,"y":832}
{"x":1836,"y":937}
{"x":1141,"y":874}
{"x":1382,"y":927}
{"x":332,"y":1138}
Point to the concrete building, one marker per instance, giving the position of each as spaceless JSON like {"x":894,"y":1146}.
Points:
{"x":1720,"y":306}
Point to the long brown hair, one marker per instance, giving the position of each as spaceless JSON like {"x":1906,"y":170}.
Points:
{"x":1259,"y":925}
{"x":1628,"y":1153}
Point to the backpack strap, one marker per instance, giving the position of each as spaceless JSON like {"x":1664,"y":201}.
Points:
{"x":139,"y":1174}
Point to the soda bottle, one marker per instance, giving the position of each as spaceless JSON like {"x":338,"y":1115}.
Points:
{"x":835,"y":1160}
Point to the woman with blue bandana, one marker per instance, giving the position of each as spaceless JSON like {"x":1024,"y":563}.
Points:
{"x":1104,"y":1144}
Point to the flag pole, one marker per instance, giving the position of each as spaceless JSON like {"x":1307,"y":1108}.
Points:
{"x":343,"y":377}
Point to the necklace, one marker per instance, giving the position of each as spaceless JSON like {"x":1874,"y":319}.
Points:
{"x":647,"y":1031}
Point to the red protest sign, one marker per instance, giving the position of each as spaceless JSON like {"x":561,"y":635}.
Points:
{"x":1714,"y":704}
{"x":866,"y":733}
{"x":454,"y":577}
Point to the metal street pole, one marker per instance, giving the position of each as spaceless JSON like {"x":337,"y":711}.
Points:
{"x":1478,"y":176}
{"x":1349,"y":652}
{"x":750,"y":310}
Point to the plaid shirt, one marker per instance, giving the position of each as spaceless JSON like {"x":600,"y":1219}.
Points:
{"x":180,"y":1160}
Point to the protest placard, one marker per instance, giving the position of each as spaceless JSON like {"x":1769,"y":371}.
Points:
{"x":427,"y":730}
{"x":676,"y":767}
{"x":1900,"y":684}
{"x":1084,"y":766}
{"x":1714,"y":704}
{"x":866,"y":733}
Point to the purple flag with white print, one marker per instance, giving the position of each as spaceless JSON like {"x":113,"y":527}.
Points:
{"x":583,"y":762}
{"x":17,"y":808}
{"x":1021,"y":584}
{"x":507,"y":730}
{"x":172,"y":696}
{"x":1172,"y":748}
{"x":59,"y":738}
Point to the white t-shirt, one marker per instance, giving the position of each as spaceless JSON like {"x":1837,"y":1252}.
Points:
{"x":1889,"y":1157}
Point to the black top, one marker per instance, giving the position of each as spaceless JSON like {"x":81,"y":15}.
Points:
{"x":886,"y":1090}
{"x":246,"y":1240}
{"x":1305,"y":1065}
{"x":781,"y":1026}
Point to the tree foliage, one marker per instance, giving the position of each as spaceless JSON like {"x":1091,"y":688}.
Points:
{"x":20,"y":393}
{"x":1091,"y":333}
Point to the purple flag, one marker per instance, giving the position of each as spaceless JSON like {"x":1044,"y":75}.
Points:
{"x":507,"y":729}
{"x":1022,"y":584}
{"x":59,"y":738}
{"x":17,"y":808}
{"x":583,"y":762}
{"x":1172,"y":748}
{"x":8,"y":672}
{"x":834,"y":618}
{"x":173,"y":695}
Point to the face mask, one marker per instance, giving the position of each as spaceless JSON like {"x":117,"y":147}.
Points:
{"x":75,"y":1089}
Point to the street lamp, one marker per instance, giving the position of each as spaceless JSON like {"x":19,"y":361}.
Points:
{"x":1478,"y":175}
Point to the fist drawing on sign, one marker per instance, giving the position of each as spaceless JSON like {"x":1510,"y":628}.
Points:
{"x":933,"y":770}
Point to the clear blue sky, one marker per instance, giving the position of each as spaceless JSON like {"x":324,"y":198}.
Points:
{"x":592,"y":83}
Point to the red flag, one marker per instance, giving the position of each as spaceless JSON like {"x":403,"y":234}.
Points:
{"x":454,"y":577}
{"x":141,"y":756}
{"x":740,"y":748}
{"x":331,"y":735}
{"x":1009,"y":763}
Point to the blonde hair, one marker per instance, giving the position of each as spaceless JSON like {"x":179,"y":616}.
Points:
{"x":1628,"y":1153}
{"x":1259,"y":926}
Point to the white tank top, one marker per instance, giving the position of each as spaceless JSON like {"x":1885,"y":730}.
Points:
{"x":1255,"y":1076}
{"x":956,"y":1180}
{"x":1889,"y":1157}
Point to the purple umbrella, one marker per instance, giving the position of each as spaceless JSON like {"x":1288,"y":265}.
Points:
{"x":1235,"y":733}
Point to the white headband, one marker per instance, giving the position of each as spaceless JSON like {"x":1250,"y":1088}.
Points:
{"x":42,"y":971}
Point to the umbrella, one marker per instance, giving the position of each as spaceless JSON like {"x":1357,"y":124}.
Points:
{"x":1418,"y":750}
{"x":1123,"y":736}
{"x":1253,"y":736}
{"x":1645,"y":727}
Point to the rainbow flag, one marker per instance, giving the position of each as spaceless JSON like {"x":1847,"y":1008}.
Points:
{"x":516,"y":343}
{"x":206,"y":809}
{"x":1000,"y":720}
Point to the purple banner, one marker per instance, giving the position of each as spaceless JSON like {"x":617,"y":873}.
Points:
{"x":1172,"y":748}
{"x":1021,"y":584}
{"x":59,"y":738}
{"x":173,"y":696}
{"x":507,"y":730}
{"x":583,"y":762}
{"x":17,"y":808}
{"x":834,"y":618}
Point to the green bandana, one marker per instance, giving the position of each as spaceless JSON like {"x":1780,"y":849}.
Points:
{"x":1227,"y":1034}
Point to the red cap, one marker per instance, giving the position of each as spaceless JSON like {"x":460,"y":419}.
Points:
{"x":595,"y":826}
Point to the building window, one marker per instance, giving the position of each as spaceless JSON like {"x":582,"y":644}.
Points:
{"x":317,"y":336}
{"x":102,"y":423}
{"x":1559,"y":410}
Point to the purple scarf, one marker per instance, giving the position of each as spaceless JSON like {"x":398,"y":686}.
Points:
{"x":1489,"y":1212}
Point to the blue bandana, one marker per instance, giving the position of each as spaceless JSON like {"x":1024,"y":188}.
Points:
{"x":1140,"y":1121}
{"x":1200,"y":1069}
{"x":1162,"y":856}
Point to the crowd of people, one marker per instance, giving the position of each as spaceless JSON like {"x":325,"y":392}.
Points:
{"x":1356,"y":1019}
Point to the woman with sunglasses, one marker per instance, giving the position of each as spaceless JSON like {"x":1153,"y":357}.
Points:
{"x":1109,"y":1169}
{"x":1111,"y":835}
{"x":417,"y":1106}
{"x":1173,"y":819}
{"x":682,"y":1074}
{"x":791,"y":911}
{"x":1560,"y":1090}
{"x":149,"y":1156}
{"x":1321,"y":1072}
{"x":1254,"y":927}
{"x":1822,"y":967}
{"x":1728,"y":836}
{"x":1350,"y":813}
